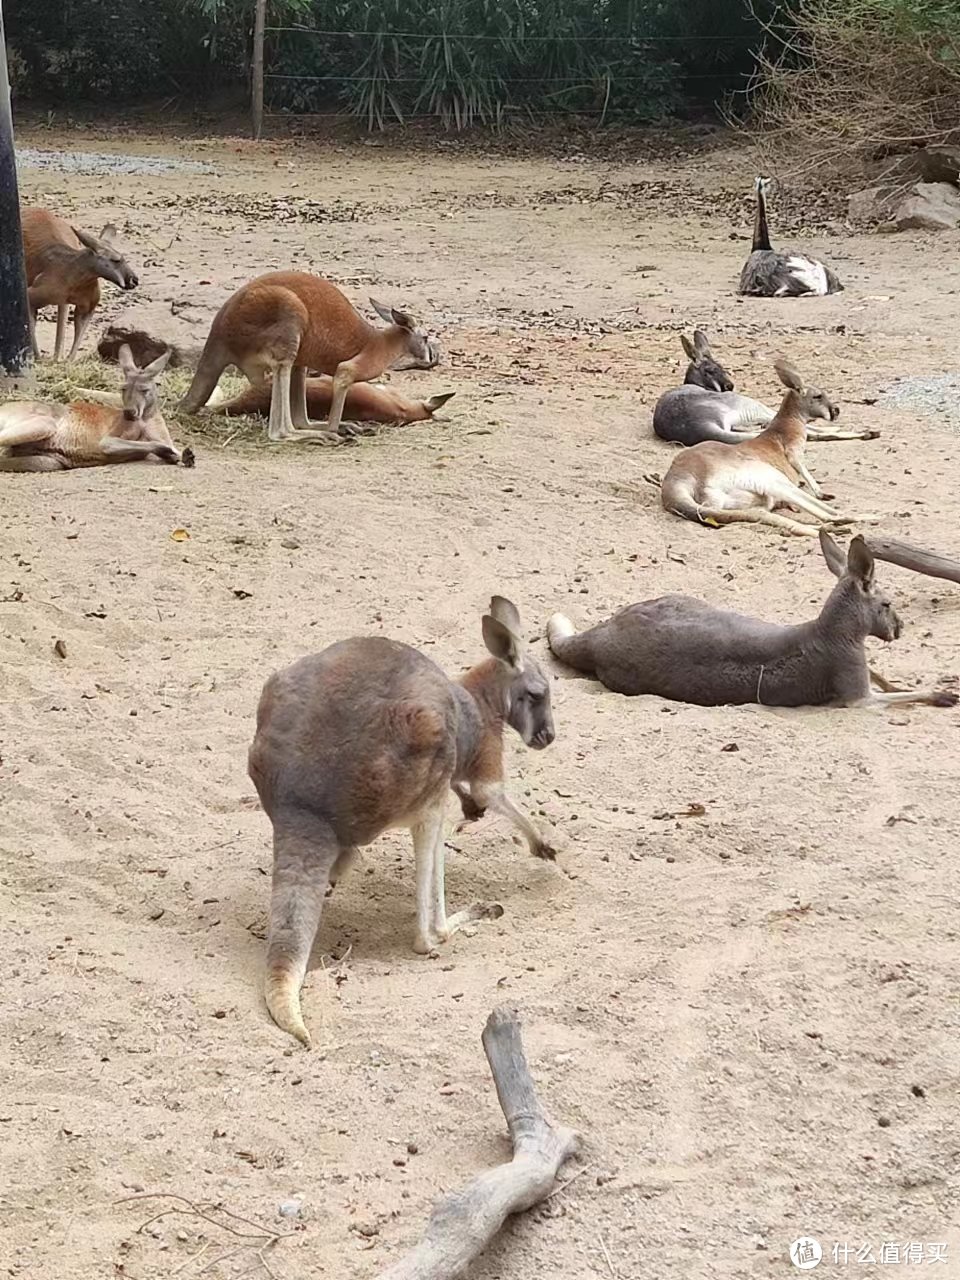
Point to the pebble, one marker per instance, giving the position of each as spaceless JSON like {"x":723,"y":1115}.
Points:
{"x":290,"y":1208}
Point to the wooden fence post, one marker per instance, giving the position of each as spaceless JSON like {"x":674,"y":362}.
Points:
{"x":259,"y":24}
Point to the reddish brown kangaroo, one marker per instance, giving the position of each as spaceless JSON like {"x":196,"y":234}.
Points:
{"x":288,"y":322}
{"x":64,"y":266}
{"x":371,"y":734}
{"x":364,"y":403}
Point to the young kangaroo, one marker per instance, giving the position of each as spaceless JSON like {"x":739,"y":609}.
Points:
{"x":707,"y":407}
{"x":368,"y":735}
{"x":286,"y":323}
{"x":64,"y":265}
{"x":680,"y":648}
{"x":59,"y":437}
{"x":365,"y":402}
{"x":720,"y":484}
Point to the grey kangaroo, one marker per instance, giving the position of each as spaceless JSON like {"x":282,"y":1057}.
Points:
{"x":368,"y":735}
{"x":707,"y":407}
{"x":680,"y":648}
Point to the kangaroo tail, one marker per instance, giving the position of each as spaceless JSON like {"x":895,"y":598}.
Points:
{"x":212,"y":364}
{"x":570,"y":648}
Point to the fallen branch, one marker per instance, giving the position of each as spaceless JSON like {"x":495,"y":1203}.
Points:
{"x":463,"y":1223}
{"x":908,"y":557}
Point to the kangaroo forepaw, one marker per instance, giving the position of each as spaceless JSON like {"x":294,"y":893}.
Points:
{"x":543,"y":850}
{"x":944,"y":698}
{"x":472,"y":812}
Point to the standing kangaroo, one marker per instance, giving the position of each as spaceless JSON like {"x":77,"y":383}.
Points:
{"x":59,"y":437}
{"x":64,"y":266}
{"x":723,"y":483}
{"x":368,"y":735}
{"x":680,"y":648}
{"x":287,"y":323}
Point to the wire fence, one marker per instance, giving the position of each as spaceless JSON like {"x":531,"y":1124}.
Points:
{"x":468,"y":77}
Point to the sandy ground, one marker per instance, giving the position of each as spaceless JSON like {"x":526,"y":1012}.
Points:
{"x":750,"y":1014}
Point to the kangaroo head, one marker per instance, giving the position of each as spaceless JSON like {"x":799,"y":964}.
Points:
{"x":870,"y":609}
{"x":526,"y":690}
{"x":805,"y":400}
{"x":105,"y":259}
{"x":415,"y":341}
{"x":139,"y":389}
{"x":703,"y":370}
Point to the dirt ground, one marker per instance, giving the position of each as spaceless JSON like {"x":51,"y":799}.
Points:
{"x":751,"y":1014}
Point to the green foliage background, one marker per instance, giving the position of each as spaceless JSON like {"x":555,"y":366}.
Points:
{"x":464,"y":61}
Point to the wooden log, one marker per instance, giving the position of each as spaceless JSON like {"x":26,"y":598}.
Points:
{"x":908,"y":557}
{"x":463,"y":1223}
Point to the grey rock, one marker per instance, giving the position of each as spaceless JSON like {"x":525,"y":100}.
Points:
{"x":929,"y":206}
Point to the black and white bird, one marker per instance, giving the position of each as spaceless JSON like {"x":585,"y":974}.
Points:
{"x":772,"y":273}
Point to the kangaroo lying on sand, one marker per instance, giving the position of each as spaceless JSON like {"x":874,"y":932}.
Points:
{"x":286,"y":323}
{"x":680,"y":648}
{"x":368,"y":735}
{"x":723,"y":483}
{"x":707,"y":407}
{"x":58,"y":437}
{"x":364,"y":403}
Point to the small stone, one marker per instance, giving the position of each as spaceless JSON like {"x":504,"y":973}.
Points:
{"x":291,"y":544}
{"x":883,"y":1122}
{"x":918,"y":1091}
{"x":290,"y":1208}
{"x":413,"y":1149}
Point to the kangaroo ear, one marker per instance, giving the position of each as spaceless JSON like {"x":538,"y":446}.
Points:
{"x":403,"y":319}
{"x":788,"y":375}
{"x":506,"y":613}
{"x":688,"y":347}
{"x":156,"y":367}
{"x":833,"y":554}
{"x":501,"y":642}
{"x":437,"y":402}
{"x":700,"y":343}
{"x":860,"y":562}
{"x":126,"y":361}
{"x":383,"y":312}
{"x":109,"y":234}
{"x":85,"y":238}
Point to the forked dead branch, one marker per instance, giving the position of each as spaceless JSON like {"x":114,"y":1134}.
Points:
{"x":464,"y":1222}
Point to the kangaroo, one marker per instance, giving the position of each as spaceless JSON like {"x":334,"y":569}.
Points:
{"x":768,"y":273}
{"x":683,"y":649}
{"x":707,"y":407}
{"x":60,"y":437}
{"x":365,"y":402}
{"x":724,"y":483}
{"x":368,"y":735}
{"x":63,"y":266}
{"x":286,"y":323}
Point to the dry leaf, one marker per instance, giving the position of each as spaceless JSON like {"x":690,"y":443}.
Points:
{"x":180,"y":535}
{"x":60,"y":649}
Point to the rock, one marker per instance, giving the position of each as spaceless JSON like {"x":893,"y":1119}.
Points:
{"x":872,"y":204}
{"x":928,"y":164}
{"x":930,"y":206}
{"x":143,"y":346}
{"x":290,"y":1208}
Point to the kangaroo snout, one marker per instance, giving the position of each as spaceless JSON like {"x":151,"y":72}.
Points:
{"x":543,"y":738}
{"x":130,"y":281}
{"x":130,"y":415}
